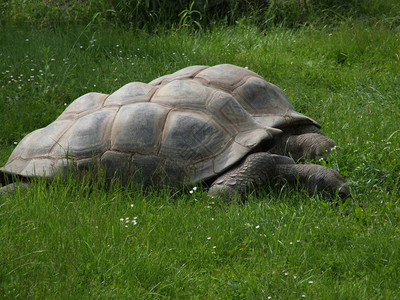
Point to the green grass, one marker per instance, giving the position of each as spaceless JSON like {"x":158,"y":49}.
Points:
{"x":153,"y":15}
{"x":66,"y":240}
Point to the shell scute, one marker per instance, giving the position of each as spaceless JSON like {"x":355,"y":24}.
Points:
{"x":229,"y":156}
{"x":130,"y":93}
{"x":188,"y":72}
{"x":115,"y":164}
{"x":230,"y":114}
{"x":263,"y":97}
{"x":182,"y":93}
{"x":43,"y":140}
{"x":138,"y":127}
{"x":147,"y":169}
{"x":191,"y":136}
{"x":85,"y":103}
{"x":225,"y":77}
{"x":87,"y":136}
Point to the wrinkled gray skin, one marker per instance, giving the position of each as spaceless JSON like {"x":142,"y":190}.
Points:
{"x":260,"y":168}
{"x":224,"y":126}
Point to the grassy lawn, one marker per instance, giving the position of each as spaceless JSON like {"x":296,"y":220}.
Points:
{"x":83,"y":240}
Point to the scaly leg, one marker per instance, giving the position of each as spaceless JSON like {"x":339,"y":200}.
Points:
{"x":303,"y":142}
{"x":258,"y":169}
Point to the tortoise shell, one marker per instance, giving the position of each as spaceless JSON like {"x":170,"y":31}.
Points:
{"x":187,"y":126}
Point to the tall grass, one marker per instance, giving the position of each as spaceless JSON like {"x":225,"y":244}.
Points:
{"x":154,"y":15}
{"x":82,"y":239}
{"x":328,"y":12}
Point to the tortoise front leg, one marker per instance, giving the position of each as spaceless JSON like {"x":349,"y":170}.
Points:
{"x":260,"y":168}
{"x":303,"y":142}
{"x":315,"y":178}
{"x":255,"y":170}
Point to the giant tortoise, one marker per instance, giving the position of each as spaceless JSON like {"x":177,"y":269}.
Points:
{"x":224,"y":126}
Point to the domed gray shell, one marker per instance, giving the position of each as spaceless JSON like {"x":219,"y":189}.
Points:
{"x":184,"y":127}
